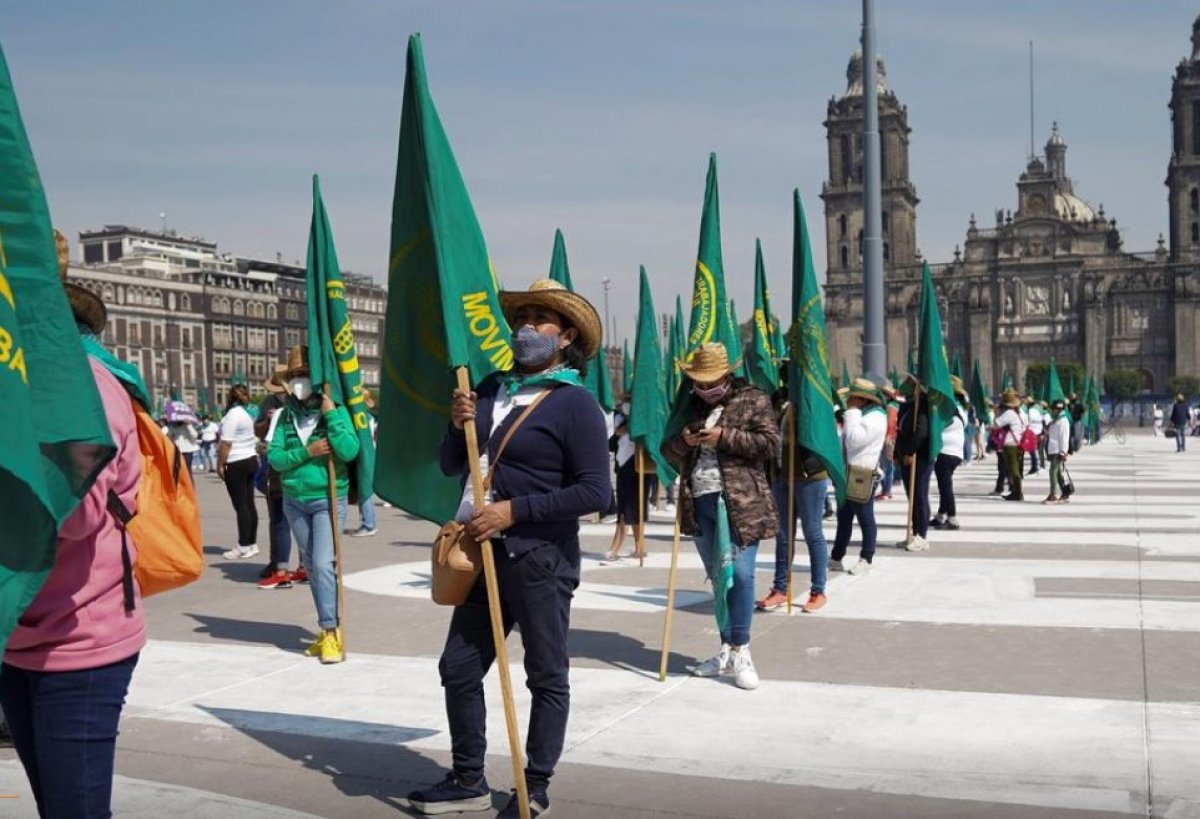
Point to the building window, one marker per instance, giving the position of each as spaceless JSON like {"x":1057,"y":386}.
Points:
{"x":186,"y":337}
{"x":1196,"y":129}
{"x":887,"y":254}
{"x":158,"y":335}
{"x":114,"y":251}
{"x":185,"y":302}
{"x":842,"y":226}
{"x":93,"y":254}
{"x":885,"y":221}
{"x":239,"y":307}
{"x":847,"y":158}
{"x":845,"y":257}
{"x":135,"y":330}
{"x":272,"y":311}
{"x":1195,"y":232}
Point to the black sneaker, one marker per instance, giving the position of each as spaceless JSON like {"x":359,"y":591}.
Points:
{"x":539,"y":805}
{"x":268,"y":570}
{"x":452,"y":795}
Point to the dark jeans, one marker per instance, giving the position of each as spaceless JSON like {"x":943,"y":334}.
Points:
{"x":809,"y":500}
{"x":239,"y":481}
{"x":1034,"y":463}
{"x":1180,"y":439}
{"x":64,"y":729}
{"x":944,"y":468}
{"x":536,"y":589}
{"x":920,"y":495}
{"x":187,"y":459}
{"x":1012,"y":464}
{"x":280,"y":532}
{"x":846,"y":513}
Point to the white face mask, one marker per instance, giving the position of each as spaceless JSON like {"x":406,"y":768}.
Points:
{"x":301,"y":388}
{"x":625,"y":408}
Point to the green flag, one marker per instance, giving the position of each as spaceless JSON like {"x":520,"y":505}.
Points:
{"x":932,"y":369}
{"x":560,"y":271}
{"x":681,"y":329}
{"x":845,"y":375}
{"x":1092,"y":403}
{"x":737,"y":354}
{"x":711,"y":321}
{"x":54,"y":435}
{"x":895,"y":378}
{"x":1070,"y":383}
{"x":1054,"y":390}
{"x":627,"y":370}
{"x":778,"y":345}
{"x":670,"y":367}
{"x":1005,"y":380}
{"x":956,"y":366}
{"x":980,"y":395}
{"x":761,"y":366}
{"x":810,"y":385}
{"x":597,"y":381}
{"x":332,"y":354}
{"x":648,"y":410}
{"x":443,"y":311}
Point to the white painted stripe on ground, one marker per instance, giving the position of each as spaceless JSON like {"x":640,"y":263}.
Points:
{"x":1011,"y":749}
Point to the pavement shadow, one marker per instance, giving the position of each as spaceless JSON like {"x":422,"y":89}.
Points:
{"x":285,"y":636}
{"x":238,"y":571}
{"x":361,"y":759}
{"x":624,"y":652}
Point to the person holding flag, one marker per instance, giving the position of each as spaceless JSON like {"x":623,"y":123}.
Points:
{"x":312,"y":432}
{"x":864,"y":428}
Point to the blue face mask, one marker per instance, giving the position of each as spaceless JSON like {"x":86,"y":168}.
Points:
{"x":532,"y":349}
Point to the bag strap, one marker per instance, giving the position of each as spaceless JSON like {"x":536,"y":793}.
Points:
{"x":487,"y":481}
{"x":119,"y":511}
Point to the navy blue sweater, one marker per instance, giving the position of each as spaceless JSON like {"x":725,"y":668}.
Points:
{"x":553,"y":471}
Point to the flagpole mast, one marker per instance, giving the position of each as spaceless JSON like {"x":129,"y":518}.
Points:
{"x":912,"y":468}
{"x":874,"y":350}
{"x":790,"y":483}
{"x":666,"y":649}
{"x":640,"y":533}
{"x":493,"y":596}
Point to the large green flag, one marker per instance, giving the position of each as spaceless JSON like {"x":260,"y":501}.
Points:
{"x":1094,"y":411}
{"x":711,"y":321}
{"x":845,"y":375}
{"x":895,"y":378}
{"x":1005,"y":380}
{"x":737,"y":355}
{"x":443,"y":311}
{"x":648,"y":410}
{"x":761,"y":366}
{"x":681,"y":329}
{"x":597,"y":381}
{"x":932,"y":369}
{"x":627,"y":370}
{"x":1054,"y":391}
{"x":1070,"y":383}
{"x":332,"y":355}
{"x":670,"y":361}
{"x":560,"y":271}
{"x":956,"y":365}
{"x":54,"y":435}
{"x":810,"y":385}
{"x":980,"y":396}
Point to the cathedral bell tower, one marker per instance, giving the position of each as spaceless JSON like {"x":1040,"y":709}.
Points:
{"x":843,"y":192}
{"x":1183,"y":171}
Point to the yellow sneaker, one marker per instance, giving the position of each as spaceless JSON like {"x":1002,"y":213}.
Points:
{"x":315,"y":649}
{"x":332,"y":650}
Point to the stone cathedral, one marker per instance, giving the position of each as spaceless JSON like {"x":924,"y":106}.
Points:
{"x":1050,"y":277}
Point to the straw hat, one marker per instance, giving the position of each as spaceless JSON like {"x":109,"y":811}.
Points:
{"x":573,"y":307}
{"x":957,"y":384}
{"x":368,"y":399}
{"x":1179,"y":397}
{"x":86,"y":305}
{"x":274,"y":384}
{"x":1010,"y":399}
{"x":297,"y":363}
{"x":709,"y":363}
{"x":866,"y":390}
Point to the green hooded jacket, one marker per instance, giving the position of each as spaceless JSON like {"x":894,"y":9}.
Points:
{"x":304,"y":477}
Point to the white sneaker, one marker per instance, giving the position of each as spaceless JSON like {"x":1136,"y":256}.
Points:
{"x":860,"y":567}
{"x":240,"y":552}
{"x":714,"y":666}
{"x":917,"y":544}
{"x":836,"y":566}
{"x":744,"y":675}
{"x":363,"y":532}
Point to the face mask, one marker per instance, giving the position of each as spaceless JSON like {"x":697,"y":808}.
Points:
{"x":711,"y":395}
{"x":301,"y":388}
{"x":625,"y":408}
{"x":532,"y":349}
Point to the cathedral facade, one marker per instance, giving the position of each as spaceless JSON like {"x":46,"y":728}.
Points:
{"x":1050,"y":277}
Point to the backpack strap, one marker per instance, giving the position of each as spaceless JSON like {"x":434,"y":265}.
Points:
{"x":123,"y":516}
{"x":487,"y":481}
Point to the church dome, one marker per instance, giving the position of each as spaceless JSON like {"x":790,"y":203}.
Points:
{"x":1070,"y":207}
{"x":854,"y":75}
{"x":1056,"y":139}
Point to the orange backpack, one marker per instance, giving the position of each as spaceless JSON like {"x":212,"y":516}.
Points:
{"x":166,"y":526}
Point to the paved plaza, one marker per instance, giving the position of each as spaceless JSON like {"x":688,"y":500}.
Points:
{"x":1044,"y":661}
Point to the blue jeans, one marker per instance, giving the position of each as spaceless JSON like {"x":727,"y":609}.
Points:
{"x":741,"y":596}
{"x":1180,"y":439}
{"x":64,"y":728}
{"x":889,"y":475}
{"x":847,"y":512}
{"x":366,"y":511}
{"x":810,"y":504}
{"x":314,"y":537}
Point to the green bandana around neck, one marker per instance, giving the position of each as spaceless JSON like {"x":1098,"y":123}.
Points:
{"x":513,"y":381}
{"x":125,"y":372}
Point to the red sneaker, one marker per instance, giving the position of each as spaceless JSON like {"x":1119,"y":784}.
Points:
{"x":772,"y":601}
{"x":816,"y":602}
{"x":300,"y":575}
{"x":279,"y":580}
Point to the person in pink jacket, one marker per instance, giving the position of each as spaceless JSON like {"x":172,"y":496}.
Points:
{"x":68,"y":664}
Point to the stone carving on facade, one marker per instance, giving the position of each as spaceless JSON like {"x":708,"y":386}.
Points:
{"x":1066,"y":300}
{"x":1037,"y":300}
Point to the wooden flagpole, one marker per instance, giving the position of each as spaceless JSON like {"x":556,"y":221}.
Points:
{"x":639,"y":534}
{"x":671,"y":578}
{"x":912,"y":469}
{"x":493,"y":595}
{"x":790,"y":426}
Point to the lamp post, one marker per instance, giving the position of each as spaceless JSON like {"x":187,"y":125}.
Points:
{"x":606,"y":283}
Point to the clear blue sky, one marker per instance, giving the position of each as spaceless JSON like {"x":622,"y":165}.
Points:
{"x":596,"y":117}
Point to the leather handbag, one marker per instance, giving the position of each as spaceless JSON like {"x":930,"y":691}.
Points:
{"x":1068,"y":485}
{"x":457,"y":558}
{"x":860,"y":483}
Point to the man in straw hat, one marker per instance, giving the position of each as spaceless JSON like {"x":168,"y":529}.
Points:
{"x":729,"y":436}
{"x":864,"y":428}
{"x":553,"y":470}
{"x":275,"y":575}
{"x":1010,"y":427}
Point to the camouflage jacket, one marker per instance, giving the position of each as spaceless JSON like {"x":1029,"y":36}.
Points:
{"x":749,"y":443}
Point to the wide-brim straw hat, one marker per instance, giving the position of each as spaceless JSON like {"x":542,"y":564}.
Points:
{"x":368,"y":399}
{"x":297,"y":363}
{"x":709,"y":363}
{"x":274,"y":384}
{"x":88,"y":308}
{"x":1010,"y":399}
{"x":866,"y":390}
{"x":573,"y":307}
{"x":957,"y":384}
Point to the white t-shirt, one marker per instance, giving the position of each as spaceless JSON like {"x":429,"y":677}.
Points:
{"x":1015,"y":424}
{"x":183,"y":436}
{"x":706,"y":475}
{"x":237,"y":429}
{"x":1037,"y":418}
{"x":504,"y":405}
{"x":209,"y":432}
{"x":1058,"y":435}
